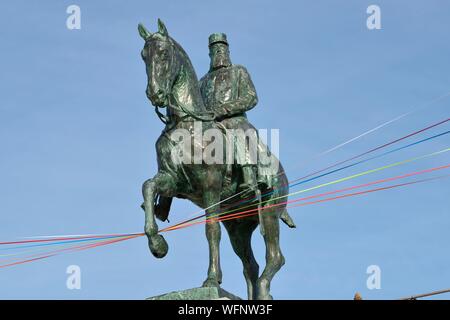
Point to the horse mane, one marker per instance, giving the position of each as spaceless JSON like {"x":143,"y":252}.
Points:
{"x":191,"y":71}
{"x":186,"y":57}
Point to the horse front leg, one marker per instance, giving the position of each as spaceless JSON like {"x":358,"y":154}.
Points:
{"x":161,"y":184}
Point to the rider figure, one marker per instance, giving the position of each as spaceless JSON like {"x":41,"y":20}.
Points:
{"x":228,"y":91}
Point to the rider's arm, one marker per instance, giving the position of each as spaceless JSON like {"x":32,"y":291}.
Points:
{"x":246,"y":98}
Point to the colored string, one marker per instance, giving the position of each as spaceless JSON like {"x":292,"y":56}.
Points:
{"x":332,"y":192}
{"x":326,"y":184}
{"x":65,"y":247}
{"x":329,"y":167}
{"x":76,"y":248}
{"x":242,"y":214}
{"x":345,"y":196}
{"x":253,"y":212}
{"x":346,"y":167}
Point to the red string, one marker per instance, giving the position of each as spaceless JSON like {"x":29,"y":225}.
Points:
{"x":237,"y":214}
{"x":32,"y":258}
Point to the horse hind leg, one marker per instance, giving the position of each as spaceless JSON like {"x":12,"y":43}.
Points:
{"x":240,"y":236}
{"x":213,"y":235}
{"x":274,"y":257}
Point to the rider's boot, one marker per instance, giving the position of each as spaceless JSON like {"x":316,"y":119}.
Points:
{"x":250,"y":184}
{"x":249,"y":179}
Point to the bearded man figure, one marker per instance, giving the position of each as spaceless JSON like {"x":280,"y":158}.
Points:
{"x":228,"y":91}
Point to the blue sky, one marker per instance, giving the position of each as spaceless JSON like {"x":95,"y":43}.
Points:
{"x":77,"y":140}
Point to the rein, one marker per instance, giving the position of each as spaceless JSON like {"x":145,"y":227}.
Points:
{"x":188,"y":114}
{"x":161,"y":116}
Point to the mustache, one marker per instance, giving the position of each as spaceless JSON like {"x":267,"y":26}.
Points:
{"x":221,"y":57}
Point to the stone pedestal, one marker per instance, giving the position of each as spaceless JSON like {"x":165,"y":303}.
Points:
{"x":210,"y":293}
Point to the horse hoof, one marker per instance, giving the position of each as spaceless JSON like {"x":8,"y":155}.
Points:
{"x":158,"y":246}
{"x":211,"y":283}
{"x":264,"y":297}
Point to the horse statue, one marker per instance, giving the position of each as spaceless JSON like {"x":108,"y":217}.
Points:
{"x":173,"y":84}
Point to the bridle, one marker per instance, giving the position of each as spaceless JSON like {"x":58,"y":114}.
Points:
{"x":188,"y":115}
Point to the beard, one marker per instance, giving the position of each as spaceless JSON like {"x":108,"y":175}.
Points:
{"x":220,"y":60}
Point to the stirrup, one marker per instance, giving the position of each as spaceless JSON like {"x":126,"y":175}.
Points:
{"x":261,"y":221}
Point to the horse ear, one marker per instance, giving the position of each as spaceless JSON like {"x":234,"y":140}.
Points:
{"x":162,"y":28}
{"x":143,"y":32}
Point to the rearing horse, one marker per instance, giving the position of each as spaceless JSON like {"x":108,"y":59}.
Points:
{"x":173,"y":84}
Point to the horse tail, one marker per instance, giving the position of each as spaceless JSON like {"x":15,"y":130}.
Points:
{"x":286,"y":218}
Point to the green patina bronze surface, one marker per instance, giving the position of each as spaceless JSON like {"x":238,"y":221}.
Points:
{"x":220,"y":100}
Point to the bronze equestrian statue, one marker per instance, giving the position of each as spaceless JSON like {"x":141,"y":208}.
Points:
{"x":172,"y":84}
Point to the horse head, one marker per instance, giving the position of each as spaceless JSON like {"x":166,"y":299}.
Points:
{"x":162,"y":64}
{"x":171,"y":78}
